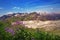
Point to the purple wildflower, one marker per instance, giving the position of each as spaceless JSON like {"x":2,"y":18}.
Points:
{"x":32,"y":38}
{"x":19,"y":22}
{"x":17,"y":29}
{"x":10,"y":30}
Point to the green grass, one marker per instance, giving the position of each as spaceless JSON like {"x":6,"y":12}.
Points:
{"x":25,"y":33}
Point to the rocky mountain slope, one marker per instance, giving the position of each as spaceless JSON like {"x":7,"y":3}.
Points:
{"x":34,"y":20}
{"x":46,"y":25}
{"x":33,"y":16}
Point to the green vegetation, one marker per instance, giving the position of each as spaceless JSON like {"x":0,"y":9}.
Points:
{"x":19,"y":32}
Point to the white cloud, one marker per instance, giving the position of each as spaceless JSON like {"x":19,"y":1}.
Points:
{"x":1,"y":8}
{"x":52,"y":8}
{"x":16,"y":8}
{"x":9,"y":13}
{"x":1,"y":15}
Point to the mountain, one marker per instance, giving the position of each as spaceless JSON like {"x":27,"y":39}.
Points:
{"x":33,"y":16}
{"x":45,"y":21}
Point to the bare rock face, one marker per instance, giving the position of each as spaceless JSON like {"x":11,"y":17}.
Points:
{"x":47,"y":25}
{"x":35,"y":24}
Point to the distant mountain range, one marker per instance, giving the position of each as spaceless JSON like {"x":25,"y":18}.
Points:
{"x":45,"y":21}
{"x":33,"y":16}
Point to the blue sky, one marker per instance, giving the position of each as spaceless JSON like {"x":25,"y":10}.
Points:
{"x":9,"y":6}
